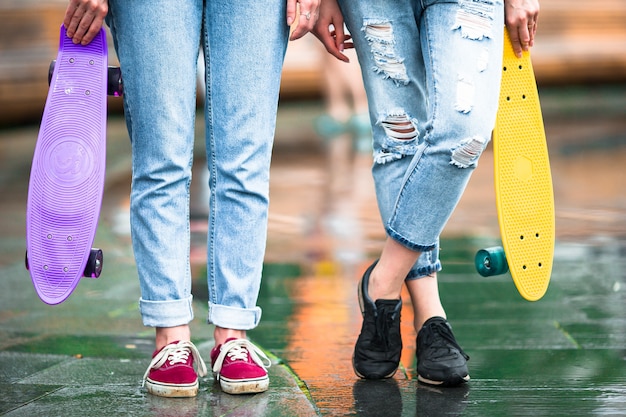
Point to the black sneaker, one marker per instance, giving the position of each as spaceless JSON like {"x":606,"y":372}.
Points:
{"x":377,"y":350}
{"x":440,"y":359}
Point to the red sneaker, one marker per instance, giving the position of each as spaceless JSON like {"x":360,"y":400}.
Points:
{"x":171,"y":372}
{"x":240,"y":367}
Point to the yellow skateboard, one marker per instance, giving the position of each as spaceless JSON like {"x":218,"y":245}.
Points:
{"x":523,"y":183}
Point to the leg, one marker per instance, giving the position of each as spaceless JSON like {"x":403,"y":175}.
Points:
{"x":167,"y":335}
{"x":425,"y":299}
{"x":240,"y":116}
{"x":244,"y":46}
{"x":430,"y":128}
{"x":390,"y":56}
{"x":160,"y":111}
{"x":385,"y":38}
{"x":391,"y":270}
{"x":463,"y":67}
{"x":421,"y":140}
{"x":157,"y":44}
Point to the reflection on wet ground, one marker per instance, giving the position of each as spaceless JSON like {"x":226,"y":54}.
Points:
{"x":563,"y":355}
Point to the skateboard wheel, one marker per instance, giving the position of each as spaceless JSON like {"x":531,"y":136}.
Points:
{"x":491,"y":261}
{"x":115,"y":87}
{"x":51,"y":70}
{"x":26,"y":261}
{"x":94,"y":264}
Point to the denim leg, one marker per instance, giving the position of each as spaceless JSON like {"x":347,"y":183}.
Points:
{"x":157,"y":44}
{"x":462,"y":49}
{"x":432,"y":74}
{"x":245,"y":43}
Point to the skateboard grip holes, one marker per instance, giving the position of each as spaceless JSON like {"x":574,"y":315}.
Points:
{"x":523,"y":96}
{"x":521,"y":237}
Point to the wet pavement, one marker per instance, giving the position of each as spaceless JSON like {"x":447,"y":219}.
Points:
{"x":564,"y":355}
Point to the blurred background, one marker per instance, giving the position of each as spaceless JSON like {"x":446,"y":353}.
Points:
{"x":577,"y":43}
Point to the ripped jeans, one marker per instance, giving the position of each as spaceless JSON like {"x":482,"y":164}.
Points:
{"x":432,"y":73}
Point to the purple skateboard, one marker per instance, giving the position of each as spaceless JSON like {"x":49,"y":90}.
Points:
{"x":67,"y":173}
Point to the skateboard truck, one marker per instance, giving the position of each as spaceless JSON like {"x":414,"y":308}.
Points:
{"x":115,"y":85}
{"x":93,"y":268}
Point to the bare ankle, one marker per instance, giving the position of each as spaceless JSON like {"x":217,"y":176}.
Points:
{"x":421,"y":319}
{"x":167,"y":335}
{"x":380,"y":289}
{"x":222,"y":334}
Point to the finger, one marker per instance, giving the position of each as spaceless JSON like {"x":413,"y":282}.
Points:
{"x":346,"y":36}
{"x":79,"y":22}
{"x":348,"y":45}
{"x":83,"y":27}
{"x":306,"y":22}
{"x":339,"y":37}
{"x":531,"y":36}
{"x":533,"y":31}
{"x":298,"y":32}
{"x":72,"y":26}
{"x":93,"y":30}
{"x":291,"y":11}
{"x":337,"y":54}
{"x":525,"y":38}
{"x":331,"y":46}
{"x":515,"y":42}
{"x":69,"y":14}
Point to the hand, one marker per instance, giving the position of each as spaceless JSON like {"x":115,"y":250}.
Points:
{"x":309,"y":12}
{"x":84,"y":18}
{"x":521,"y":21}
{"x":333,"y":40}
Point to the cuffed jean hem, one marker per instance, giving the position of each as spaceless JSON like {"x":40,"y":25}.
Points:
{"x":233,"y":317}
{"x":170,"y":313}
{"x":407,"y":243}
{"x":423,"y":272}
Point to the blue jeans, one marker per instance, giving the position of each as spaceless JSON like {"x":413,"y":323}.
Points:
{"x":157,"y":42}
{"x":432,"y":73}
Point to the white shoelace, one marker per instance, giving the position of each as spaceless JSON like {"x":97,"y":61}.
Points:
{"x":177,"y":353}
{"x":238,"y":349}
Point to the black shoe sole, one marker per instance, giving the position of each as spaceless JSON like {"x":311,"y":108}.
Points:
{"x":360,"y":375}
{"x":453,"y":381}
